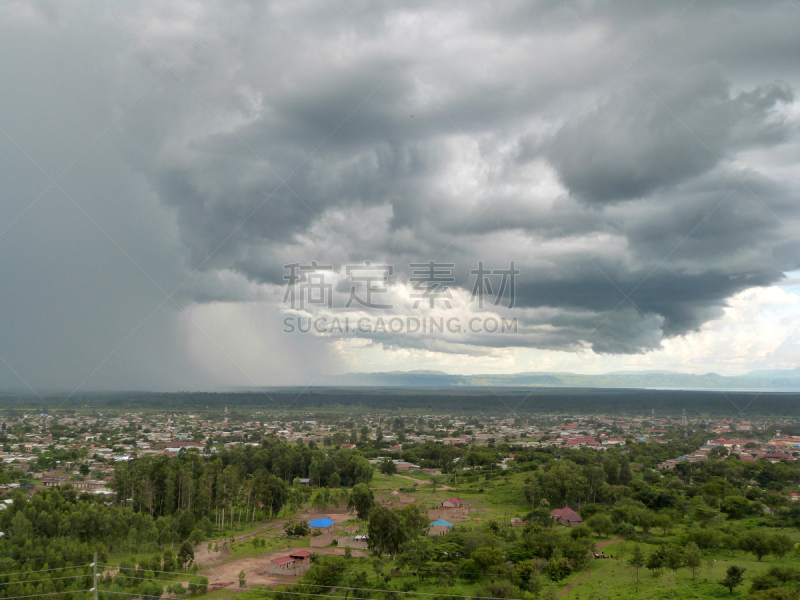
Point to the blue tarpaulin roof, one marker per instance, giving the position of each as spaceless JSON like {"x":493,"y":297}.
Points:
{"x":442,"y":522}
{"x":323,"y":522}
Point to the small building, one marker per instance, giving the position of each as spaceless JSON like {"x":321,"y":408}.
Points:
{"x":323,"y":524}
{"x":451,"y":503}
{"x":89,"y":485}
{"x":440,"y":527}
{"x":283,"y":562}
{"x":300,"y":555}
{"x":566,"y":516}
{"x":53,"y":480}
{"x":287,"y":565}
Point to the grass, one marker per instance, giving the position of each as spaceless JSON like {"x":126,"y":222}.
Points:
{"x":619,"y":576}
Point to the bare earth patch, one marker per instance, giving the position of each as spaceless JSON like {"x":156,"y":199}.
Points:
{"x":255,"y":568}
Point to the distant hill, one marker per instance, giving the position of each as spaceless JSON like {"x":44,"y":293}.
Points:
{"x":788,"y":380}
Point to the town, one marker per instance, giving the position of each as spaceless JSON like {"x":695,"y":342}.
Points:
{"x":238,"y":501}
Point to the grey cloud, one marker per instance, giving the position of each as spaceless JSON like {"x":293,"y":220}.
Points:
{"x":402,"y":136}
{"x":654,"y":135}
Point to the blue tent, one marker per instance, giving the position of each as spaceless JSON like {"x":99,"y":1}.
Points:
{"x":323,"y":522}
{"x":441,"y":522}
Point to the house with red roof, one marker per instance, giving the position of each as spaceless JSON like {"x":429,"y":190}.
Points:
{"x":566,"y":516}
{"x":284,"y":562}
{"x":451,"y":503}
{"x":774,"y":457}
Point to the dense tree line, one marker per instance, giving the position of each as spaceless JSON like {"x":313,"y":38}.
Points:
{"x":438,"y":400}
{"x":240,"y":483}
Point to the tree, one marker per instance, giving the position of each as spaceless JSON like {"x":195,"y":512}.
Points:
{"x":557,"y":570}
{"x":663,"y":522}
{"x":655,"y":560}
{"x":198,"y":585}
{"x":186,"y":554}
{"x":625,"y":474}
{"x":781,"y":545}
{"x":415,"y":552}
{"x":196,"y":537}
{"x":325,"y":572}
{"x":701,"y":512}
{"x":673,"y":557}
{"x":733,"y":577}
{"x":487,"y":557}
{"x":388,"y":467}
{"x":169,"y":561}
{"x":736,"y":507}
{"x":601,"y":524}
{"x":414,"y":520}
{"x":297,"y":529}
{"x":361,"y":501}
{"x":757,"y":542}
{"x":693,"y":558}
{"x":242,"y":579}
{"x":626,"y":531}
{"x":637,"y":561}
{"x":385,"y":531}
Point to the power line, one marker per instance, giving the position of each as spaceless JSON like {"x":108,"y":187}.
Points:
{"x":44,"y":570}
{"x":48,"y":594}
{"x":336,"y":587}
{"x":38,"y":580}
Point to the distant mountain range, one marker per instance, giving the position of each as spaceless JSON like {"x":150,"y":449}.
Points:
{"x":788,"y":380}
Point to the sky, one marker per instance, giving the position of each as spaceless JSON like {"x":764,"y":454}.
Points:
{"x":631,"y":166}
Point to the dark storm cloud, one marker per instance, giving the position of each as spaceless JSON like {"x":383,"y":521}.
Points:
{"x":655,"y":135}
{"x":396,"y":133}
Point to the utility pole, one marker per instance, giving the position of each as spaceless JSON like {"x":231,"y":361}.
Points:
{"x":94,"y":575}
{"x":606,"y":588}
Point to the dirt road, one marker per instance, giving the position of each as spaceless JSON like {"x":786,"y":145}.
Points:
{"x":588,"y":574}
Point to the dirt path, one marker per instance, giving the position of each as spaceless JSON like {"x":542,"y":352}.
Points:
{"x":576,"y":582}
{"x":272,"y":529}
{"x":588,"y":574}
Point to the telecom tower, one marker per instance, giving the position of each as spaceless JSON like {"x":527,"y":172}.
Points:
{"x":226,"y":414}
{"x":684,"y":417}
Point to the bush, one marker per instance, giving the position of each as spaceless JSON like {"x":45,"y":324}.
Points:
{"x":198,"y":585}
{"x":296,"y":529}
{"x":499,"y":589}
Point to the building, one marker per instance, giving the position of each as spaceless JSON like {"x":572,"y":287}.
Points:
{"x":451,"y":503}
{"x":440,"y":527}
{"x":566,"y":516}
{"x":300,"y":555}
{"x":323,"y":524}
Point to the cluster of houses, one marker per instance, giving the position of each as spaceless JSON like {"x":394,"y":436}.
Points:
{"x":778,"y":449}
{"x":297,"y":562}
{"x":324,"y":534}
